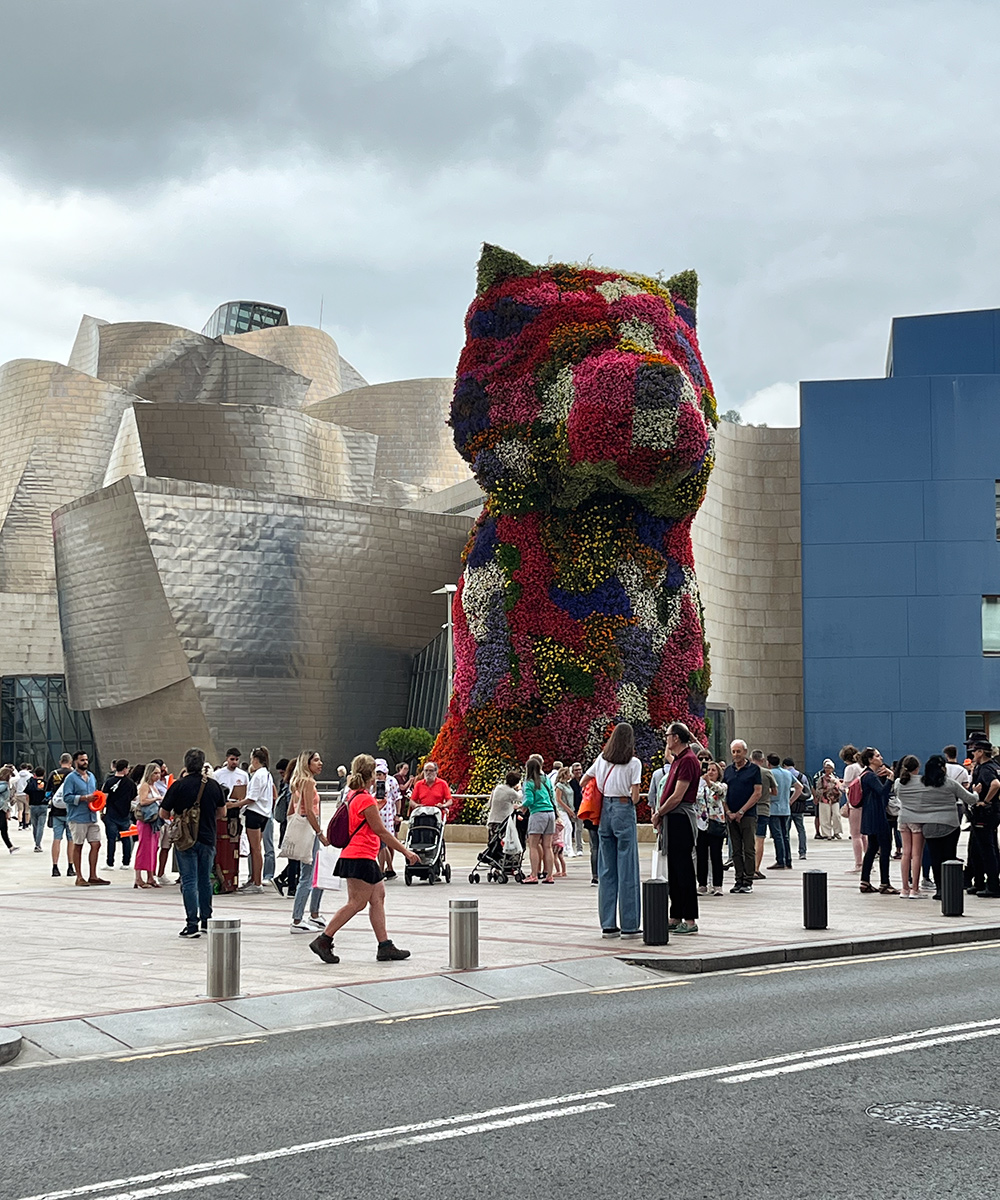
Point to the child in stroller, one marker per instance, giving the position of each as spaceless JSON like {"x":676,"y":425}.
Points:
{"x":501,"y":864}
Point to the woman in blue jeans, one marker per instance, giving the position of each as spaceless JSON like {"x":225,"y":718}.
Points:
{"x":618,"y":773}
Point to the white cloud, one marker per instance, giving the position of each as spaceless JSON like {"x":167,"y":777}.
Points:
{"x":776,"y":404}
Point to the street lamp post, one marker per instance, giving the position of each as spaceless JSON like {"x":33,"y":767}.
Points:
{"x":448,"y":591}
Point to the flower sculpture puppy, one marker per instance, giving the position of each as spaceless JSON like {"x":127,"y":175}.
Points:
{"x":587,"y":415}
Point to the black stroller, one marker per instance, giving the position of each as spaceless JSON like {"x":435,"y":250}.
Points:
{"x":425,"y":837}
{"x":499,"y":865}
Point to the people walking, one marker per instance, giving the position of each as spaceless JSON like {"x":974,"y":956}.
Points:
{"x":743,"y":789}
{"x":876,"y":788}
{"x":304,"y":802}
{"x":195,"y":789}
{"x":38,"y":810}
{"x":6,"y":806}
{"x":850,"y":756}
{"x":388,"y":794}
{"x":358,"y":865}
{"x":676,"y":810}
{"x":618,"y":773}
{"x":829,"y":798}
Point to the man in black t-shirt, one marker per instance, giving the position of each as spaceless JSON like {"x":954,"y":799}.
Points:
{"x":120,"y":791}
{"x":57,"y":814}
{"x":196,"y":863}
{"x":984,"y":816}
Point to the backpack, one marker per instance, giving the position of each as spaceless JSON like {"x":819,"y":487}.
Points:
{"x":854,"y":793}
{"x":338,"y":831}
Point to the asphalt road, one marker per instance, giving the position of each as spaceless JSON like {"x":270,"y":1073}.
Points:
{"x":623,"y":1093}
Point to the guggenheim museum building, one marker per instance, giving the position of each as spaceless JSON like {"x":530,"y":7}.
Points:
{"x":230,"y":537}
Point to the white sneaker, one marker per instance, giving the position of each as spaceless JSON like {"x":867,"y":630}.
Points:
{"x":124,"y":866}
{"x":252,"y":889}
{"x":302,"y":927}
{"x":716,"y":891}
{"x":317,"y":923}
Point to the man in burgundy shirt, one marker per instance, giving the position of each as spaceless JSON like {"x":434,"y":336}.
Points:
{"x":676,"y":810}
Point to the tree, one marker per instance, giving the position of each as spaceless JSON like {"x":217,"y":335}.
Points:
{"x":732,"y":415}
{"x":404,"y":744}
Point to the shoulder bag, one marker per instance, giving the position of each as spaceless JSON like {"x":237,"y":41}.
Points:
{"x":593,"y":799}
{"x":182,"y":832}
{"x":299,"y":839}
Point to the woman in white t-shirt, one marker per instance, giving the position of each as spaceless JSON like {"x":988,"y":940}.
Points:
{"x":257,"y":809}
{"x":618,"y":773}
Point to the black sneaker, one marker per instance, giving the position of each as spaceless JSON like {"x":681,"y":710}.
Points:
{"x":55,"y":871}
{"x":390,"y":874}
{"x":322,"y":947}
{"x":387,"y":952}
{"x":735,"y":891}
{"x":190,"y":931}
{"x":70,"y":870}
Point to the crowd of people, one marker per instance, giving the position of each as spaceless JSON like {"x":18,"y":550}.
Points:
{"x":710,"y":817}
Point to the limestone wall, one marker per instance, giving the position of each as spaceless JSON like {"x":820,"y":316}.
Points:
{"x":747,"y":553}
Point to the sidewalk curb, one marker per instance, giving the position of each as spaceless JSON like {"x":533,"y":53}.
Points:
{"x":10,"y":1045}
{"x":728,"y":960}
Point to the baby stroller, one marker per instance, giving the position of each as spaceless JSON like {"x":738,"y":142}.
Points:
{"x":500,"y":865}
{"x":425,"y":837}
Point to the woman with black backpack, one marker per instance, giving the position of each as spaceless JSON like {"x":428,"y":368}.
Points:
{"x":358,"y":865}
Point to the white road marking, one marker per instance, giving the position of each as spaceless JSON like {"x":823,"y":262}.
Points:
{"x":442,"y":1135}
{"x":878,"y":1052}
{"x":184,"y":1185}
{"x":863,"y":960}
{"x":913,"y":1039}
{"x":187,"y":1050}
{"x":429,"y":1016}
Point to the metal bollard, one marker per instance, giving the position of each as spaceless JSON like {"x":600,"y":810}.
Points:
{"x":463,"y":934}
{"x":224,"y":958}
{"x":814,"y":907}
{"x":952,"y":889}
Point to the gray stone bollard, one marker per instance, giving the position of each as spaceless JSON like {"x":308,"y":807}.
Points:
{"x":224,"y":958}
{"x":463,"y":934}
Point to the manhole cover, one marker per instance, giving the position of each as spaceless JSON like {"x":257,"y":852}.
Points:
{"x":935,"y":1114}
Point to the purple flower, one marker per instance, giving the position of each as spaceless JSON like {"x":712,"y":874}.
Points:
{"x":484,"y":547}
{"x":505,"y":319}
{"x":608,"y":597}
{"x":639,"y":662}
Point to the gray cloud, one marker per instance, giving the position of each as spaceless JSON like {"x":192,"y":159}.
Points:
{"x":115,"y":93}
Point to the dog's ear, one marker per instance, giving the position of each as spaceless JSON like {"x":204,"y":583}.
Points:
{"x":496,"y":264}
{"x":684,"y":287}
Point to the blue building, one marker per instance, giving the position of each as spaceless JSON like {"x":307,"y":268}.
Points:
{"x":901,"y":544}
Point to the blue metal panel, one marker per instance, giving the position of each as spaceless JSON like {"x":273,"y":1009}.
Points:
{"x":849,"y":625}
{"x":926,"y":733}
{"x":959,"y":568}
{"x":830,"y":571}
{"x":949,"y":683}
{"x":960,"y":510}
{"x":857,"y":513}
{"x":846,"y":411}
{"x":961,"y":343}
{"x":965,"y":412}
{"x":944,"y":625}
{"x":826,"y":732}
{"x":847,"y":682}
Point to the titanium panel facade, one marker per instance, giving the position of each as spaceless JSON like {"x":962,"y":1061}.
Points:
{"x":300,"y":348}
{"x":277,"y":606}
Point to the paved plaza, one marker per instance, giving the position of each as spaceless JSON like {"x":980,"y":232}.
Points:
{"x":108,"y":966}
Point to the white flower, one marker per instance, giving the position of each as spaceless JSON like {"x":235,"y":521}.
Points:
{"x":514,"y":454}
{"x":641,"y":333}
{"x":632,"y":705}
{"x":481,"y":585}
{"x":614,"y":289}
{"x":558,"y":397}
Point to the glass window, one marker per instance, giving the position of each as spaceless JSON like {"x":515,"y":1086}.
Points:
{"x":36,"y":723}
{"x":991,"y":624}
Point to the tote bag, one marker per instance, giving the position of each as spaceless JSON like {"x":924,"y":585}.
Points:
{"x":298,"y":841}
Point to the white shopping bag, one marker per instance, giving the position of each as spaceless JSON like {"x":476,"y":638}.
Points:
{"x":511,"y":842}
{"x":658,"y":863}
{"x":323,"y":876}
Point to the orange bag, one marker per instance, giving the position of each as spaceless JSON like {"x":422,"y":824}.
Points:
{"x":590,"y":805}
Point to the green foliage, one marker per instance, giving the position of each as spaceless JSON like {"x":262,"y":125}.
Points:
{"x":685,"y":285}
{"x":732,"y":415}
{"x":404,"y":744}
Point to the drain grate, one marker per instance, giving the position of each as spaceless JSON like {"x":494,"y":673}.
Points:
{"x":936,"y":1114}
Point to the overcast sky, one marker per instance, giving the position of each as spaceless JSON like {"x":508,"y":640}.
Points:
{"x":823,"y":166}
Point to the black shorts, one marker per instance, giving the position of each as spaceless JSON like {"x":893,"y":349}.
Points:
{"x":365,"y":869}
{"x":255,"y":820}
